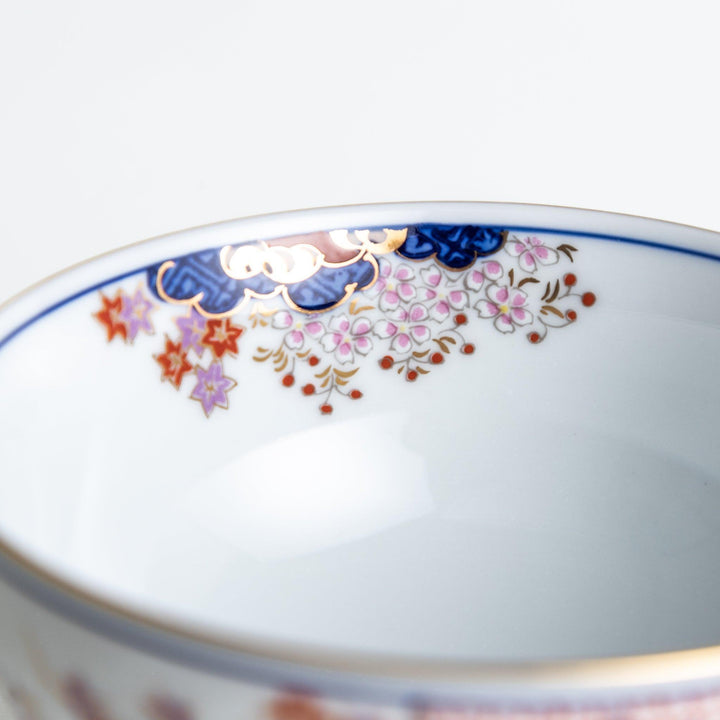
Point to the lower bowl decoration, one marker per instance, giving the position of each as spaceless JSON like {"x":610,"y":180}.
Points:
{"x":441,"y":461}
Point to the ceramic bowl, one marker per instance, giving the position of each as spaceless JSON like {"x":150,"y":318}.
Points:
{"x":432,"y":461}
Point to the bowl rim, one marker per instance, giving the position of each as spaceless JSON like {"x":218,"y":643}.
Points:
{"x":242,"y":655}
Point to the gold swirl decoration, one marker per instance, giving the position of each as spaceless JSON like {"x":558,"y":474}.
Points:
{"x":293,"y":260}
{"x":287,"y":264}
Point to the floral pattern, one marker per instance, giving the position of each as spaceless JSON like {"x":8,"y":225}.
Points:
{"x":125,"y":315}
{"x":110,"y":317}
{"x":531,"y":252}
{"x":298,"y":332}
{"x":212,"y":387}
{"x":174,"y":362}
{"x":506,"y":305}
{"x":344,"y":340}
{"x":135,"y":311}
{"x":423,"y":307}
{"x":192,"y":329}
{"x":221,"y":336}
{"x":82,"y":701}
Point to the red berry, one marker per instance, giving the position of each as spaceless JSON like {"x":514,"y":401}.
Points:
{"x":313,"y":360}
{"x":569,"y":279}
{"x":533,"y":337}
{"x":326,"y":409}
{"x":355,"y":394}
{"x":386,"y":363}
{"x":468,"y":349}
{"x":588,"y":299}
{"x":412,"y":376}
{"x":308,"y":389}
{"x":436,"y":358}
{"x":288,"y":380}
{"x":571,"y":315}
{"x":460,"y":319}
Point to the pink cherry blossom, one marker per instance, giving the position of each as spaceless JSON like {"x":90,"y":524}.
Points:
{"x":441,"y":293}
{"x":298,"y":329}
{"x":531,"y":251}
{"x":345,"y":339}
{"x":406,"y":328}
{"x":478,"y":274}
{"x":507,"y":305}
{"x":393,"y":285}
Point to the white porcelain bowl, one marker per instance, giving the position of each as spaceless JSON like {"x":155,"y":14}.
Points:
{"x":395,"y":461}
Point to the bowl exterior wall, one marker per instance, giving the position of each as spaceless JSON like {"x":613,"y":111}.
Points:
{"x":52,"y":668}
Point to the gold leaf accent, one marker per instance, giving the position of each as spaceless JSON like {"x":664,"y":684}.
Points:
{"x":553,"y":310}
{"x":345,"y":373}
{"x":354,"y":310}
{"x":555,"y":292}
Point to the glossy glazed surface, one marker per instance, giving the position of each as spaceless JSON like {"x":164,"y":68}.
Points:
{"x":537,"y":495}
{"x":367,"y":452}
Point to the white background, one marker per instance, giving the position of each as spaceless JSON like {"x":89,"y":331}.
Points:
{"x":119,"y":121}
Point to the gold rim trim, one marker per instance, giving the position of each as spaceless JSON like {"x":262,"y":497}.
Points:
{"x":607,"y":672}
{"x":581,"y":674}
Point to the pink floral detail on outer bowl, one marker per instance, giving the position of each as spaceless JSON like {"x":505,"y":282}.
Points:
{"x":507,"y":305}
{"x":212,"y":387}
{"x":297,"y":330}
{"x":135,"y":313}
{"x":393,"y":287}
{"x":442,"y":295}
{"x":345,"y":339}
{"x":406,"y":328}
{"x":476,"y":276}
{"x":530,"y":252}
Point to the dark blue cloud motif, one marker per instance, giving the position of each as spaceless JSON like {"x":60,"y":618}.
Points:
{"x":455,"y":246}
{"x":202,"y":273}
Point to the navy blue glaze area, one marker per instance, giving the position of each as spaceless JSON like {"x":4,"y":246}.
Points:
{"x":454,"y":246}
{"x":200,"y":275}
{"x":330,"y":285}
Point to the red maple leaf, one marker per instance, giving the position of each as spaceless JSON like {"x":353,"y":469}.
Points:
{"x":222,"y":336}
{"x":174,"y":363}
{"x":109,"y":316}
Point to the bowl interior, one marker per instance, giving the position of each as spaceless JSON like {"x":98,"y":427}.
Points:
{"x":518,"y":497}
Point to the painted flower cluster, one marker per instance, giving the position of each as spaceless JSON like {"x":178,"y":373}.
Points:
{"x":125,"y":315}
{"x":199,"y":350}
{"x":196,"y":350}
{"x":418,"y":314}
{"x":415,"y":316}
